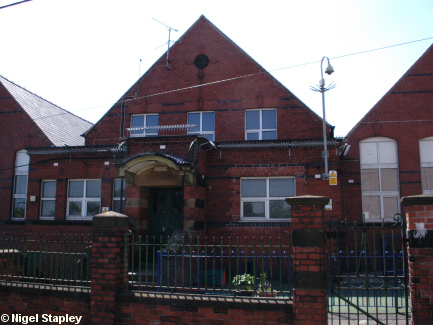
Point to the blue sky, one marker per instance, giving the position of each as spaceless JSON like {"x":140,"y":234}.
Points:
{"x":83,"y":55}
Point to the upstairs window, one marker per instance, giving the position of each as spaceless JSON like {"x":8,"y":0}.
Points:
{"x":84,"y":199}
{"x":426,"y":157}
{"x":48,"y":200}
{"x":22,"y":161}
{"x":205,"y":122}
{"x":141,"y":125}
{"x":261,"y":124}
{"x":264,"y":198}
{"x":379,"y":179}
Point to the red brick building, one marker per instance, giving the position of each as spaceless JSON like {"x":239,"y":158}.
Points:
{"x":391,"y":153}
{"x":206,"y":139}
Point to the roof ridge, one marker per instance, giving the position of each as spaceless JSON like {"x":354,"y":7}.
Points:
{"x":46,"y":100}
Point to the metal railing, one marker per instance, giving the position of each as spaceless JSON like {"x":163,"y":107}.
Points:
{"x":369,"y":271}
{"x":45,"y":258}
{"x":209,"y":265}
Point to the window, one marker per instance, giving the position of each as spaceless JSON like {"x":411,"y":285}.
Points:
{"x":84,"y":199}
{"x":22,"y":161}
{"x":426,"y":157}
{"x":205,"y":122}
{"x":141,"y":125}
{"x":48,"y":200}
{"x":261,"y":124}
{"x":264,"y":198}
{"x":379,"y":179}
{"x":118,"y":198}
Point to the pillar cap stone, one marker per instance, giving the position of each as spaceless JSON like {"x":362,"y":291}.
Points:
{"x":110,"y":219}
{"x":307,"y":200}
{"x":417,"y":200}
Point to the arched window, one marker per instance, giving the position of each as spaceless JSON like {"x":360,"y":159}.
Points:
{"x":379,"y":178}
{"x":426,"y":157}
{"x":22,"y":161}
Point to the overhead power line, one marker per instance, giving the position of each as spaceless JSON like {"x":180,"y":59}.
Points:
{"x":244,"y":76}
{"x":13,"y":4}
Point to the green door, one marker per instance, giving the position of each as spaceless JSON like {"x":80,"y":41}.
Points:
{"x":165,"y":213}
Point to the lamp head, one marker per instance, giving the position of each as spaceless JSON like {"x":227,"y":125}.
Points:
{"x":329,"y":70}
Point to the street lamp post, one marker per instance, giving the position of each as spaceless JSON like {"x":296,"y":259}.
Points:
{"x":325,"y":154}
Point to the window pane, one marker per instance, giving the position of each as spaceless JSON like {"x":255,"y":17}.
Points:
{"x":194,"y":118}
{"x":388,"y":152}
{"x":389,"y":179}
{"x":371,"y":207}
{"x":390,"y":206}
{"x":116,"y":205}
{"x":22,"y":161}
{"x":48,"y":208}
{"x":117,"y":189}
{"x":427,"y":178}
{"x":20,"y":184}
{"x":76,"y":189}
{"x":210,"y":137}
{"x":152,"y":120}
{"x":137,"y":121}
{"x":252,"y":120}
{"x":368,"y":152}
{"x":281,"y":187}
{"x":208,"y":121}
{"x":49,"y":189}
{"x":254,"y":188}
{"x":279,"y":209}
{"x":93,"y":189}
{"x":370,"y":179}
{"x":269,"y":119}
{"x":254,"y":209}
{"x":269,"y":135}
{"x":93,"y":208}
{"x":19,"y":208}
{"x":253,"y":136}
{"x":75,"y":208}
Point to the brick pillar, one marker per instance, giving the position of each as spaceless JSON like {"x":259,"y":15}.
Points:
{"x":107,"y":265}
{"x":310,"y":296}
{"x":419,"y":218}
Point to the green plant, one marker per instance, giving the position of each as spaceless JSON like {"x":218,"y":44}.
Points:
{"x":243,"y":281}
{"x":264,"y":285}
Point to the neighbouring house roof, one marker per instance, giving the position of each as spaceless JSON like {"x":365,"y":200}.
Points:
{"x":60,"y":126}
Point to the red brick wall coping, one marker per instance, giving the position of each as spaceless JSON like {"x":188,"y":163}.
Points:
{"x":417,"y":200}
{"x":307,"y":200}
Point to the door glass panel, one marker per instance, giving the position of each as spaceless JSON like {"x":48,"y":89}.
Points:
{"x":160,"y":202}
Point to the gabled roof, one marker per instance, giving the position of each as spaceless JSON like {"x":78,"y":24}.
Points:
{"x":406,"y":85}
{"x":60,"y":126}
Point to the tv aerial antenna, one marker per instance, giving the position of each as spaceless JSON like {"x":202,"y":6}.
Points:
{"x":167,"y":63}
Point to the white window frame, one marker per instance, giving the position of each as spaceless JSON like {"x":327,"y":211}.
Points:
{"x":426,"y":162}
{"x":21,"y":169}
{"x":83,"y":201}
{"x":380,"y":166}
{"x":266,"y":199}
{"x":260,"y":130}
{"x":45,"y":199}
{"x":201,"y":132}
{"x":118,"y":198}
{"x":144,"y":132}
